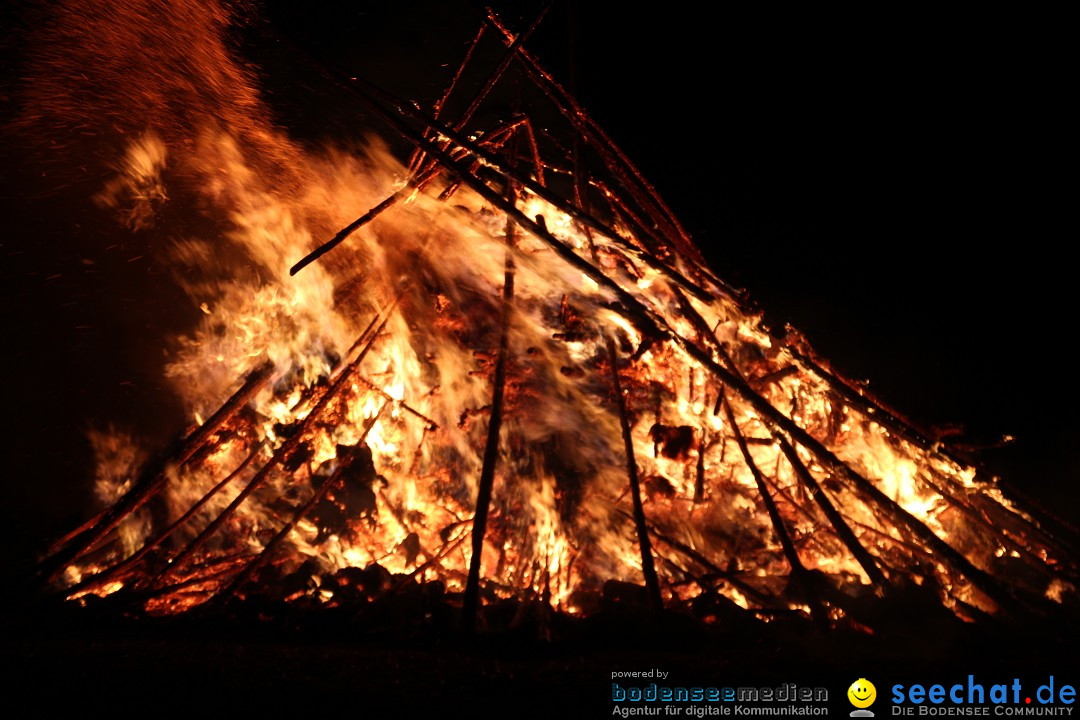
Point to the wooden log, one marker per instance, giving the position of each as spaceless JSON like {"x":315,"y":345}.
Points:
{"x":648,"y":570}
{"x":699,"y":477}
{"x":352,"y":227}
{"x":538,"y":164}
{"x":73,"y":533}
{"x":416,"y":182}
{"x":491,"y":447}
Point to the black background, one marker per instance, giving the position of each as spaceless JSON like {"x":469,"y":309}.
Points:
{"x":893,"y":183}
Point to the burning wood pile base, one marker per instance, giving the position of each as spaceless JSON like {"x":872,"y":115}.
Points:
{"x":512,"y":391}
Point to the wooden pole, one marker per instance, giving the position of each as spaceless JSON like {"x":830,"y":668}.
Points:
{"x":491,"y":447}
{"x":417,"y":182}
{"x":798,"y":570}
{"x":648,"y":569}
{"x":843,"y":530}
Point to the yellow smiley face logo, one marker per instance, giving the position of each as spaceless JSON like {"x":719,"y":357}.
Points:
{"x":862,"y":693}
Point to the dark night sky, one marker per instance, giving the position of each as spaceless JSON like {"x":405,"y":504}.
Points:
{"x":893,"y":185}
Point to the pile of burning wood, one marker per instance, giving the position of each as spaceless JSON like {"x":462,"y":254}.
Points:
{"x":513,"y":379}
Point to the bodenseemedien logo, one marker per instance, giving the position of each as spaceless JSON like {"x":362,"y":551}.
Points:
{"x":862,"y":695}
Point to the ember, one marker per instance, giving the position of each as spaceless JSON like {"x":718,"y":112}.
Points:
{"x":501,"y":370}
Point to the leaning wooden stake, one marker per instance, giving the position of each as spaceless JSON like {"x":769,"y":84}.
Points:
{"x":426,"y":170}
{"x":417,"y":158}
{"x":648,"y":569}
{"x":843,"y":530}
{"x":798,"y":571}
{"x":491,"y":448}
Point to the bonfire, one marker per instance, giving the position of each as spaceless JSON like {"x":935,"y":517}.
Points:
{"x":498,"y":370}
